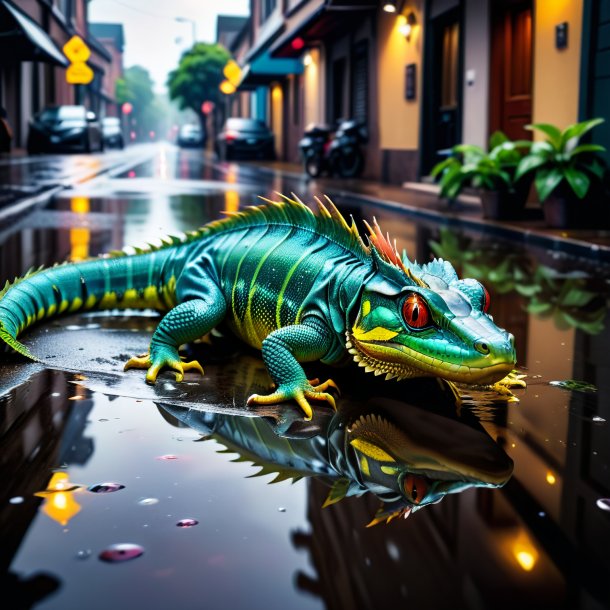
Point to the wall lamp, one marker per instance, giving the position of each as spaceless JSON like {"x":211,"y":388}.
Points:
{"x":389,"y":6}
{"x":407,"y":25}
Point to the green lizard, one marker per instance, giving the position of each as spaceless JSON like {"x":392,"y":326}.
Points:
{"x":301,"y":287}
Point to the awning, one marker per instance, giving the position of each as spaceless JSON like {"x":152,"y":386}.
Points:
{"x":264,"y":70}
{"x":22,"y":39}
{"x":260,"y":68}
{"x":332,"y":18}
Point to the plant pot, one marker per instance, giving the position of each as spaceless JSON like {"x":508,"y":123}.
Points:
{"x":503,"y":205}
{"x":563,"y":210}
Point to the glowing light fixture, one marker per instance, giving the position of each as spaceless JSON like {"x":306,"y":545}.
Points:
{"x":307,"y":59}
{"x":389,"y":6}
{"x":407,"y":23}
{"x":525,"y":560}
{"x":524,"y":552}
{"x":227,"y":88}
{"x":298,"y":43}
{"x":550,"y":478}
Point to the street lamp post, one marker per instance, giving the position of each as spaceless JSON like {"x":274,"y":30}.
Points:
{"x":193,"y":25}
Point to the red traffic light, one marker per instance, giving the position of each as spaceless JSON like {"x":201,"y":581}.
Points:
{"x":126,"y":108}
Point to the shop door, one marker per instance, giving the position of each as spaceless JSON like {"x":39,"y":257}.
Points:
{"x":511,"y":68}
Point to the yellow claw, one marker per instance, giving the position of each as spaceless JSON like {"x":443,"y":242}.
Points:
{"x":322,"y":387}
{"x":300,"y":395}
{"x":144,"y":362}
{"x":138,"y":362}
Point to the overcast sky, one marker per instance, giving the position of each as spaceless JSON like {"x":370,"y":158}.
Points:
{"x":153,"y":38}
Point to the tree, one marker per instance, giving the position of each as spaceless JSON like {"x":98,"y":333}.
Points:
{"x":197,"y":77}
{"x":136,"y":87}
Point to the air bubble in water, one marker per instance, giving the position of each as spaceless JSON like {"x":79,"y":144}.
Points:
{"x":105,"y":488}
{"x":121,"y":552}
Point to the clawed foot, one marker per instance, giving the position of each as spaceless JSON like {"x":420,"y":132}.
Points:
{"x":299,"y":391}
{"x":512,"y":380}
{"x":165,"y":359}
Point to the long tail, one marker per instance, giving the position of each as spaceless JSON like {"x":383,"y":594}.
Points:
{"x":140,"y":281}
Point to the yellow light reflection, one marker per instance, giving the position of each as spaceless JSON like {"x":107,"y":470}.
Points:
{"x":231,"y":201}
{"x":550,"y":478}
{"x":525,"y":552}
{"x":79,"y":236}
{"x":59,"y":503}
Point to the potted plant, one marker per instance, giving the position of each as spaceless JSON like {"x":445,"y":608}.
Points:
{"x":565,"y":173}
{"x":491,"y":173}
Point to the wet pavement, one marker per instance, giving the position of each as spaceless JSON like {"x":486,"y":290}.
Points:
{"x":117,"y":494}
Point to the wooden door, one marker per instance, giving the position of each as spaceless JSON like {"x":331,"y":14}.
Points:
{"x":511,"y":68}
{"x":442,"y":106}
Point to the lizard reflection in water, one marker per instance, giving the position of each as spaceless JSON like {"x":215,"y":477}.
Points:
{"x":407,"y":456}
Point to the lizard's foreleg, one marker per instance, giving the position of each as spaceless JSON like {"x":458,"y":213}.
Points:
{"x":283,"y":349}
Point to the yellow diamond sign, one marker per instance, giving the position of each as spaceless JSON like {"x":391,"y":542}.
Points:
{"x":79,"y":74}
{"x":76,"y":50}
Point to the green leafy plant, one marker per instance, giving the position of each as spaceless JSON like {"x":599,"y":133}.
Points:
{"x":470,"y":165}
{"x":561,"y":160}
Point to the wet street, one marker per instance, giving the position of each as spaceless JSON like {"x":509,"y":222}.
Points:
{"x":117,"y":494}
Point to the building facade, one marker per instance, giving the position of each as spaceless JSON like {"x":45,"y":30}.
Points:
{"x":33,"y":65}
{"x":424,"y":75}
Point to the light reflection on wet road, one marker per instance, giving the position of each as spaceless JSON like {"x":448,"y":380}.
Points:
{"x":539,"y":542}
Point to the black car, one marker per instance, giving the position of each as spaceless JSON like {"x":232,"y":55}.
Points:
{"x":245,"y":138}
{"x":191,"y":136}
{"x":113,"y":132}
{"x":64,"y":129}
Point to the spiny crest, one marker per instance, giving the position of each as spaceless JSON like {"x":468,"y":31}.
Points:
{"x":438,"y":268}
{"x":28,"y":274}
{"x":386,"y":514}
{"x":389,"y":252}
{"x":283,"y":473}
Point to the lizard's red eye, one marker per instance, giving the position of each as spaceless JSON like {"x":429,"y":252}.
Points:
{"x":486,"y":300}
{"x":415,"y":311}
{"x":415,"y":487}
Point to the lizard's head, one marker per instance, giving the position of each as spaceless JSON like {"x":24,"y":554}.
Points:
{"x":423,"y":321}
{"x":410,"y":457}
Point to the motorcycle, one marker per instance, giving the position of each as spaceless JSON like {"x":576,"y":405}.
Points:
{"x":334,"y":152}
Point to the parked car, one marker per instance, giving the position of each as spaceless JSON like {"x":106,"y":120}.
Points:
{"x":113,"y":132}
{"x":63,"y":129}
{"x":246,"y":138}
{"x":191,"y":136}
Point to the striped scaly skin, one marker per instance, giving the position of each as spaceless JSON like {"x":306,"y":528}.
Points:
{"x":292,"y":284}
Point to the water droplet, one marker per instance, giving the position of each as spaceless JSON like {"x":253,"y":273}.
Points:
{"x":17,"y":500}
{"x":169,"y":456}
{"x":604,"y":503}
{"x":281,"y":509}
{"x":187,"y":522}
{"x":148,"y":501}
{"x":105,"y":488}
{"x":542,"y":514}
{"x":121,"y":552}
{"x":55,"y":394}
{"x":597,"y":418}
{"x":83,"y":554}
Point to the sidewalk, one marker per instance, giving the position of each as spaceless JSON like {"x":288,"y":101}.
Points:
{"x":422,"y":200}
